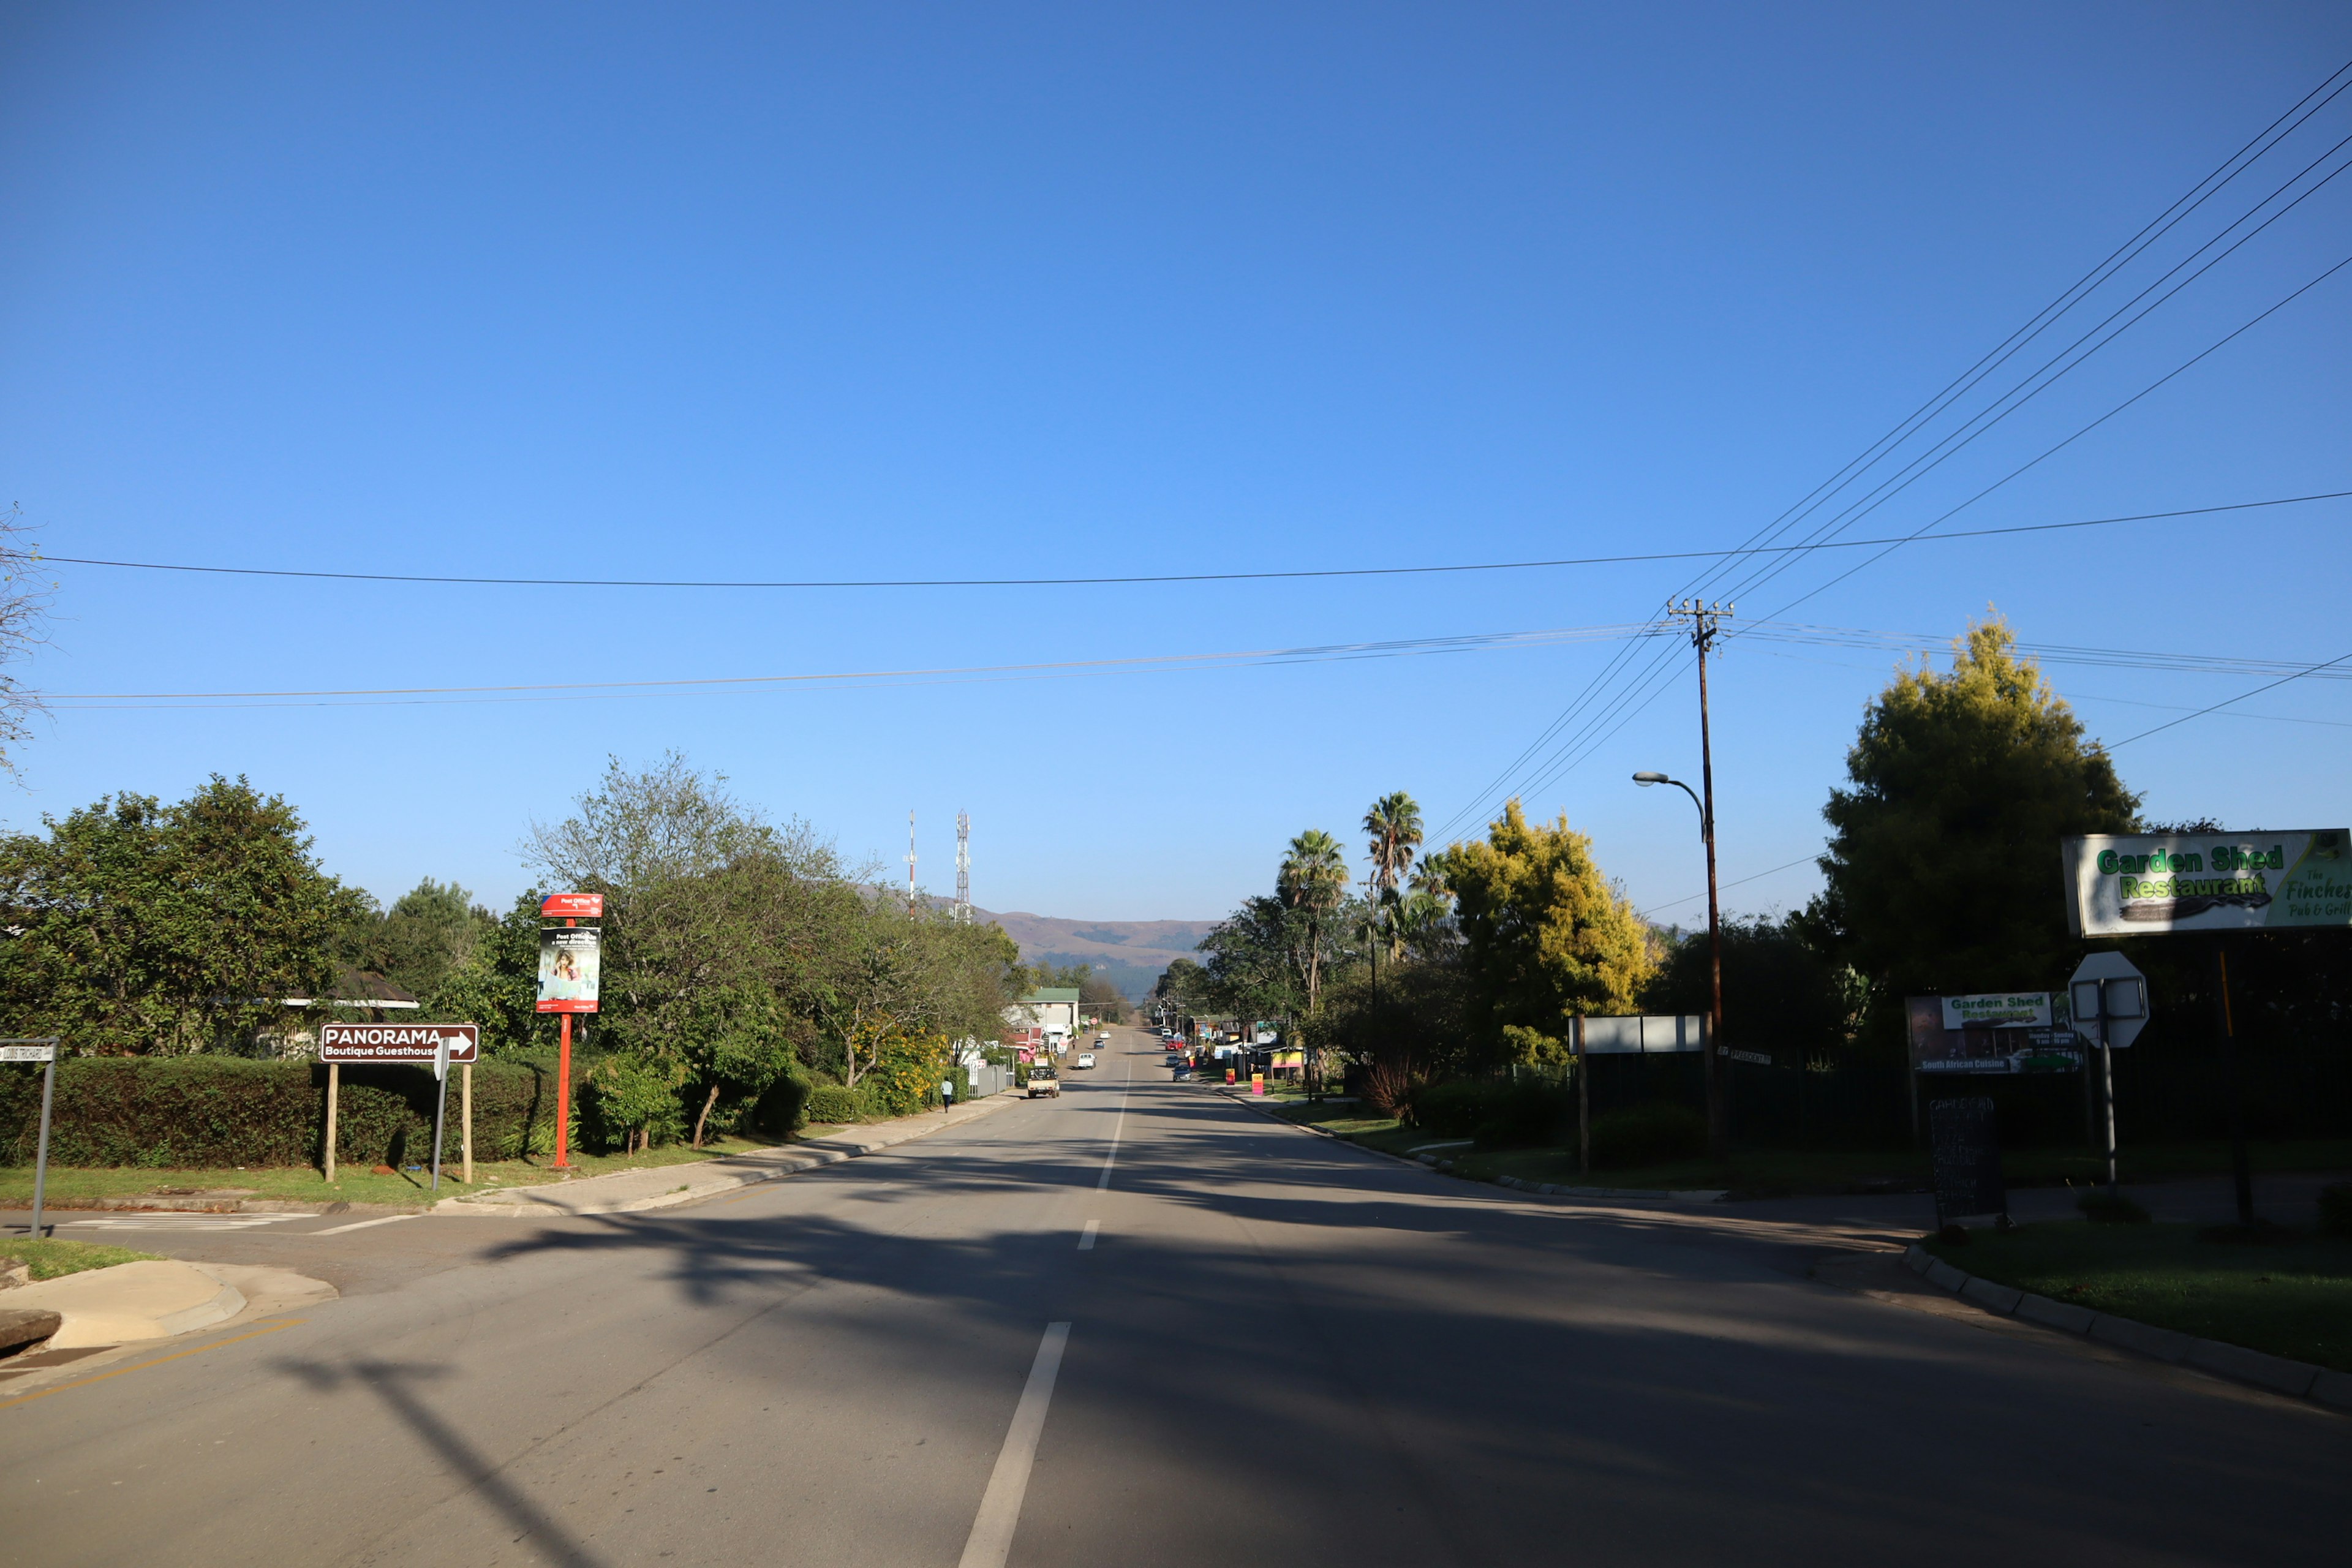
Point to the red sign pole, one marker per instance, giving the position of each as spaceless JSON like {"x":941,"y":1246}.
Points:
{"x":564,"y":1093}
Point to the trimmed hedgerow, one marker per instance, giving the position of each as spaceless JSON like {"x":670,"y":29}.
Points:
{"x":197,"y":1112}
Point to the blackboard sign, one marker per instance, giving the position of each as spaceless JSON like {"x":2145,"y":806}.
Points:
{"x":1966,"y":1142}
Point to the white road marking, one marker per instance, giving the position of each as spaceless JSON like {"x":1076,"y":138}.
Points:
{"x":991,"y":1540}
{"x":1117,"y":1128}
{"x":1087,"y":1242}
{"x":363,"y":1225}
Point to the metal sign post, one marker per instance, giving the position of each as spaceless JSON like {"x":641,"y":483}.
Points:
{"x":44,"y":1050}
{"x":2108,"y":998}
{"x":440,"y":1103}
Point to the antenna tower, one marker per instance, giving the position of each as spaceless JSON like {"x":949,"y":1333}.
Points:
{"x":964,"y":868}
{"x":910,"y":862}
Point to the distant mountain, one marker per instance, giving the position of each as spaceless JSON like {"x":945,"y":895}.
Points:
{"x":1132,"y":953}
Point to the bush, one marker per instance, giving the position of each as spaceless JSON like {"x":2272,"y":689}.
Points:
{"x":2335,"y":1210}
{"x":626,"y":1100}
{"x":215,"y":1113}
{"x":1647,"y":1135}
{"x":1500,"y":1113}
{"x":2101,"y":1207}
{"x":831,"y":1102}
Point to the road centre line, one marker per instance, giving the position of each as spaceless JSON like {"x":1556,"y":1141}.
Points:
{"x":363,"y":1225}
{"x":991,"y":1540}
{"x":1087,"y":1242}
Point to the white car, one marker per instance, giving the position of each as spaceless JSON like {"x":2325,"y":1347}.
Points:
{"x":1086,"y":1059}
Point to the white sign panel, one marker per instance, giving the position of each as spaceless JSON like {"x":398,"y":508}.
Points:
{"x":1998,"y":1010}
{"x":419,"y":1042}
{"x":2148,"y":884}
{"x":28,"y":1053}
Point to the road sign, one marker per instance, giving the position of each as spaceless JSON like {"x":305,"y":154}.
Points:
{"x":44,"y":1052}
{"x":572,"y":906}
{"x":421,"y":1044}
{"x":2107,"y":987}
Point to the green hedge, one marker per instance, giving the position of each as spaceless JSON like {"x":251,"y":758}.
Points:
{"x":213,"y":1112}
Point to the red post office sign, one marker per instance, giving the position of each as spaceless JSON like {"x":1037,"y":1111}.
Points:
{"x":572,"y":906}
{"x":397,"y":1042}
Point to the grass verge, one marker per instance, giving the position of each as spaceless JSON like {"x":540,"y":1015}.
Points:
{"x":2290,"y":1298}
{"x":1789,"y":1173}
{"x":54,"y":1260}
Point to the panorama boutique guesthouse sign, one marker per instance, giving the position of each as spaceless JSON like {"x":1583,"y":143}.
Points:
{"x":2148,"y":883}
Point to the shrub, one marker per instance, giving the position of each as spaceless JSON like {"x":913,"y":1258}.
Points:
{"x":2101,"y":1207}
{"x":629,"y":1104}
{"x":2335,"y":1210}
{"x":831,"y":1102}
{"x":1647,"y":1135}
{"x":214,"y":1112}
{"x":1393,"y":1088}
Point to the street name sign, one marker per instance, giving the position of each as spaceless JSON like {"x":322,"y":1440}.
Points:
{"x":40,"y":1053}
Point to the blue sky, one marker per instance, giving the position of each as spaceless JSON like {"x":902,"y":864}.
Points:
{"x":1018,"y":291}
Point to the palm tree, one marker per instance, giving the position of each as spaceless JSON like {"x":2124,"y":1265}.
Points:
{"x":1394,"y":825}
{"x":1313,"y":879}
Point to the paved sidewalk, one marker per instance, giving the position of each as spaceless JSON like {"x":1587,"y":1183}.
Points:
{"x":633,"y":1192}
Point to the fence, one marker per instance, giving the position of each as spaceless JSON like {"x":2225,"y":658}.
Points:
{"x":989,"y":1079}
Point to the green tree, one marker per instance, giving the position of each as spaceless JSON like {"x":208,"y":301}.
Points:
{"x":429,"y":932}
{"x":1942,"y":864}
{"x":1394,"y":831}
{"x":1253,"y":968}
{"x":1793,"y":1001}
{"x":136,"y":926}
{"x":1545,"y":935}
{"x":1314,"y":881}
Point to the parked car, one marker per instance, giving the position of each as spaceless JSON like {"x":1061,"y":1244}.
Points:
{"x":1086,"y":1059}
{"x":1043,"y":1080}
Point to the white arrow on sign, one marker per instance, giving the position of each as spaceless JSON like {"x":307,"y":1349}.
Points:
{"x":2122,"y":995}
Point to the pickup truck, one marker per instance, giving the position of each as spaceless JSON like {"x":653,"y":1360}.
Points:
{"x":1042,"y":1080}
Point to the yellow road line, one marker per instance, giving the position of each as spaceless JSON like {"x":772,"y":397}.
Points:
{"x":159,"y":1361}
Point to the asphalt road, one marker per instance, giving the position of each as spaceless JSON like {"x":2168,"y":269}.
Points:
{"x":1138,"y":1325}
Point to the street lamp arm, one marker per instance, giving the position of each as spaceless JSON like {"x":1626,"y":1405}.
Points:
{"x":1645,"y":780}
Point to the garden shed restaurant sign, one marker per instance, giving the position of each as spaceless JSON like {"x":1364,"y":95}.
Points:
{"x":2145,"y":884}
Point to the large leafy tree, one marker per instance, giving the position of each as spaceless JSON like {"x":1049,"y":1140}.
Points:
{"x":430,"y":931}
{"x":1545,"y":935}
{"x":1942,"y":864}
{"x":134,"y":926}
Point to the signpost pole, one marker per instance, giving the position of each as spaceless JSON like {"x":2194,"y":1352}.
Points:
{"x":41,"y":1151}
{"x":440,"y":1103}
{"x":2108,"y":1093}
{"x":466,"y":1120}
{"x":563,"y":1093}
{"x":2241,"y":1167}
{"x":334,"y":1083}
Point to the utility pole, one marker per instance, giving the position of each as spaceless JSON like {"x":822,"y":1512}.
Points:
{"x":910,"y":862}
{"x":964,"y":868}
{"x":1703,"y":619}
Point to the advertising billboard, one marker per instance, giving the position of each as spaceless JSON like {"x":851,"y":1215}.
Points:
{"x":2032,"y":1033}
{"x":2148,"y":884}
{"x":569,"y":961}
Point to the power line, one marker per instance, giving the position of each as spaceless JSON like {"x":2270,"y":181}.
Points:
{"x":2217,"y":707}
{"x":1179,"y":577}
{"x":1567,"y":756}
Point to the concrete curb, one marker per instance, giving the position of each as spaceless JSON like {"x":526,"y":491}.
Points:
{"x":2297,"y":1379}
{"x":129,"y":1301}
{"x":1550,"y":1190}
{"x":152,"y":1204}
{"x":768,"y":1165}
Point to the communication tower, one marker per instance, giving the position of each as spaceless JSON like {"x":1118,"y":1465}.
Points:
{"x":963,"y":868}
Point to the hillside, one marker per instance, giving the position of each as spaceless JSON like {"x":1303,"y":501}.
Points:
{"x":1132,"y":953}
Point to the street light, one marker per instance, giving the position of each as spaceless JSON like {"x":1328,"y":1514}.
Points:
{"x":1714,"y":1118}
